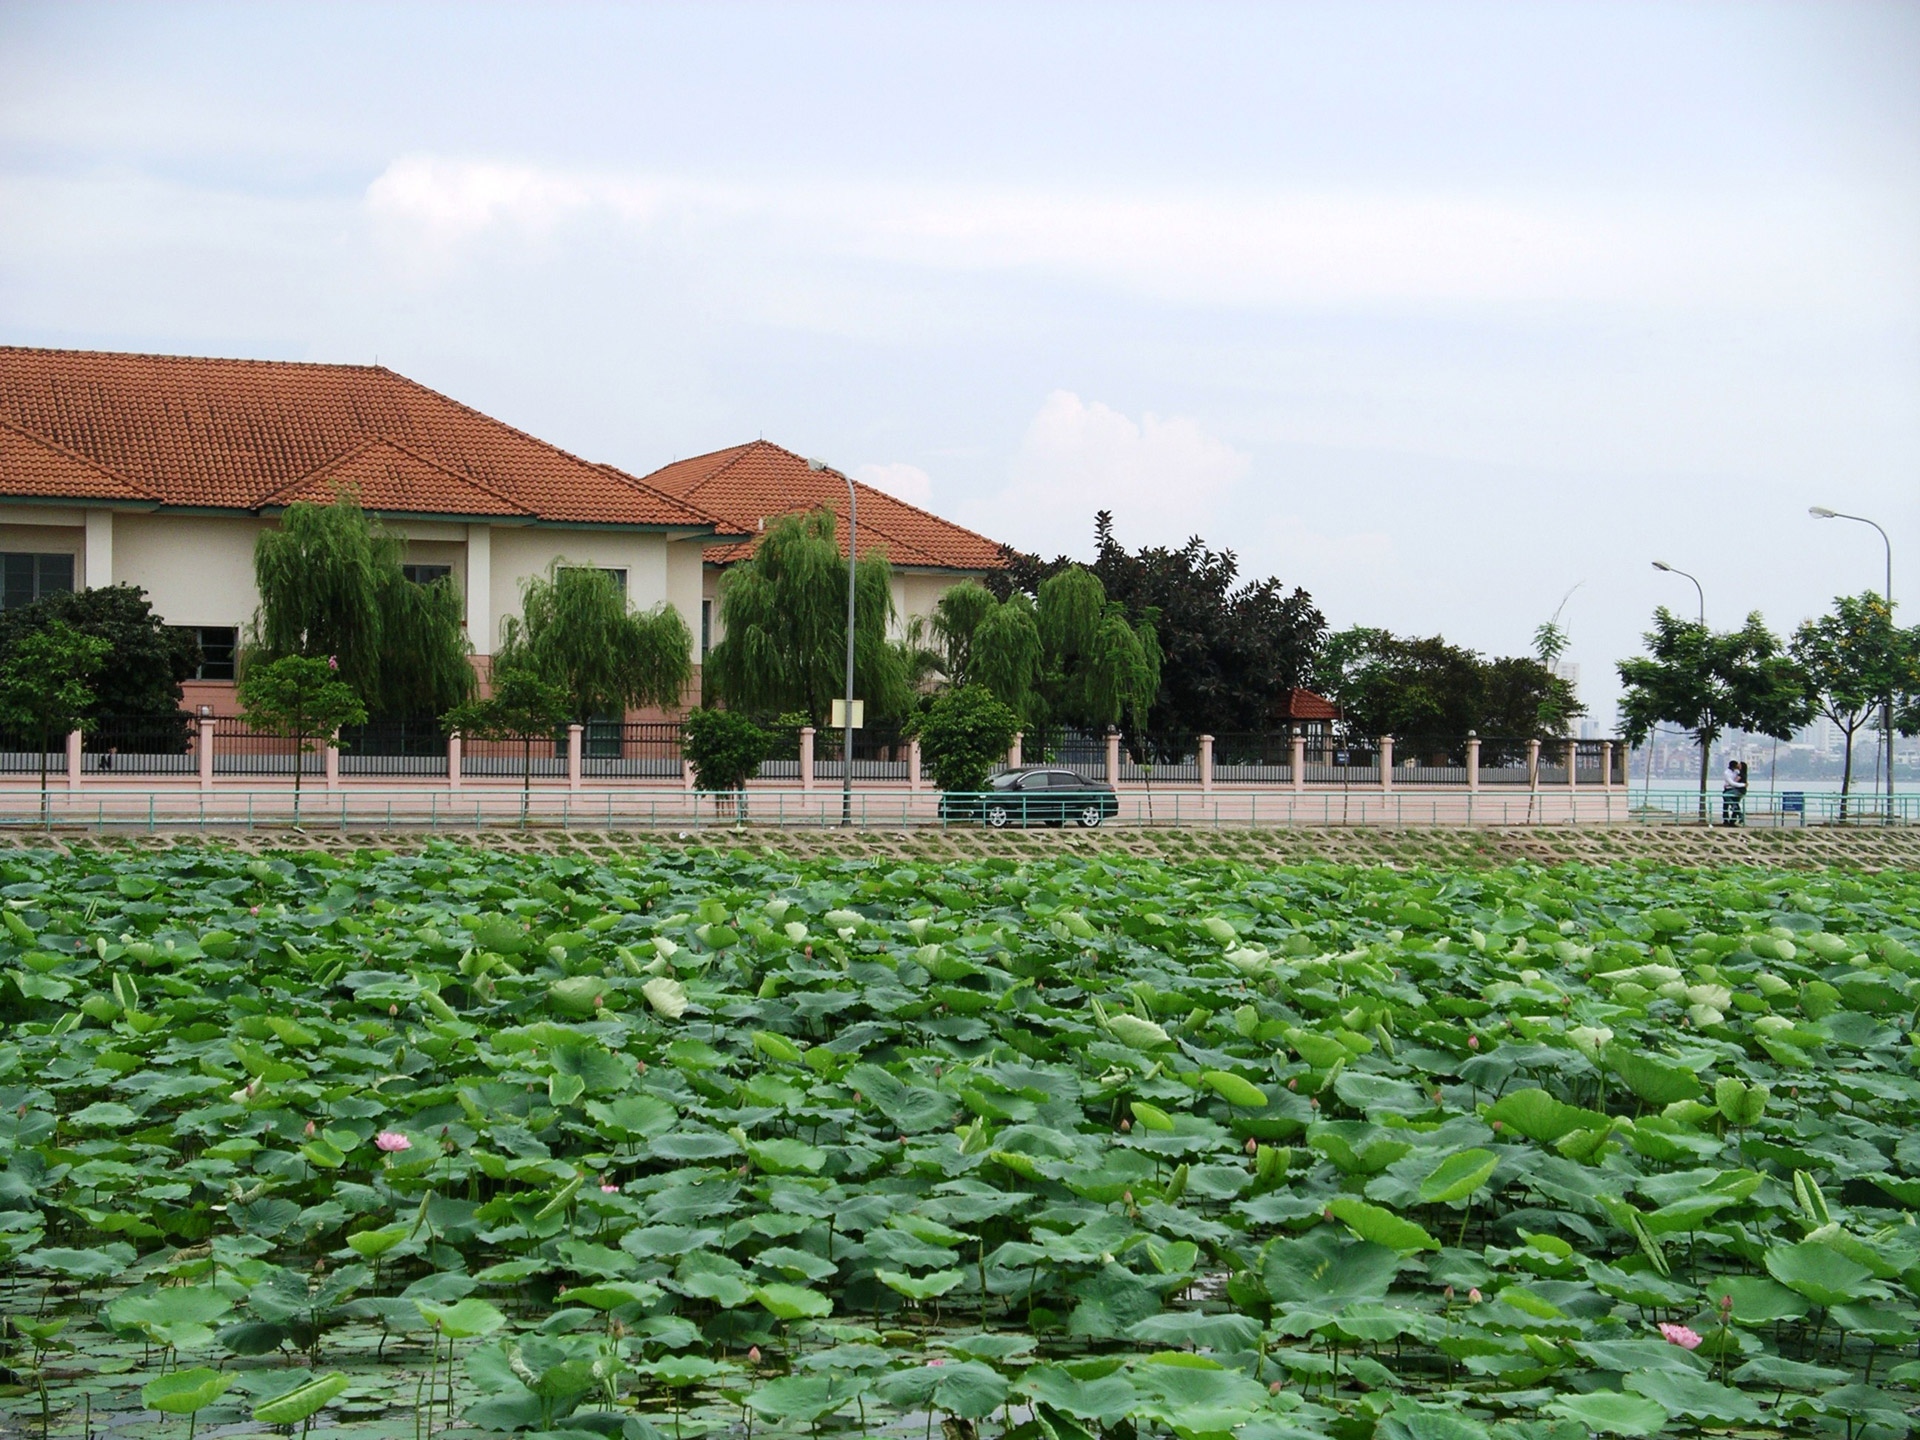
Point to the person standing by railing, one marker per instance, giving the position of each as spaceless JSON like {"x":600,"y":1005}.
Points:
{"x":1733,"y":789}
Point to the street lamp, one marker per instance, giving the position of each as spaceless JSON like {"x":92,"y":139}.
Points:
{"x":1821,"y":512}
{"x":853,"y":556}
{"x":1672,"y":570}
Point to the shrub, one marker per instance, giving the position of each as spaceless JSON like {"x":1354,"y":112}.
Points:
{"x":962,"y":735}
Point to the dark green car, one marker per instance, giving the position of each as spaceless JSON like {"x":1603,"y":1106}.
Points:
{"x":1035,"y":796}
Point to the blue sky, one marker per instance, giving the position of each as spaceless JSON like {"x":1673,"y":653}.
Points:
{"x":1435,"y":309}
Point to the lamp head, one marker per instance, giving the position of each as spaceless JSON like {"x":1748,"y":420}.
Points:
{"x":1821,"y":512}
{"x":814,"y":462}
{"x":1662,"y":565}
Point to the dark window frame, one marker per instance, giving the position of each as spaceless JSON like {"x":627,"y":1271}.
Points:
{"x":411,"y":570}
{"x":30,"y":575}
{"x":212,"y":667}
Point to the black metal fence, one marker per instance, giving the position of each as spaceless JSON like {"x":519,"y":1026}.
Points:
{"x":396,"y":748}
{"x":1082,"y":751}
{"x":641,"y":750}
{"x":239,"y":749}
{"x":1253,"y":759}
{"x":879,"y":753}
{"x":1429,"y":760}
{"x":142,"y":745}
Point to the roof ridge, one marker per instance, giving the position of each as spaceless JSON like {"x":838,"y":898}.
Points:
{"x":921,"y":510}
{"x":531,"y":439}
{"x":720,"y":525}
{"x":191,"y":359}
{"x":740,"y":452}
{"x":145,"y":492}
{"x":371,"y":442}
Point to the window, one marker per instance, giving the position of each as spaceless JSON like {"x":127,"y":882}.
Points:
{"x":29,"y":576}
{"x":217,"y":646}
{"x":616,"y":573}
{"x":426,"y":574}
{"x":706,"y":628}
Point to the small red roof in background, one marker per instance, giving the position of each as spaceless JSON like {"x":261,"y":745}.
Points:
{"x":1305,"y":705}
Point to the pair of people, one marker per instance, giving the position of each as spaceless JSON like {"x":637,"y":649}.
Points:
{"x":1733,"y":793}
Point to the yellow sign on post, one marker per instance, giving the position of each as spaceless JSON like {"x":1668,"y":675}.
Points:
{"x":838,"y":720}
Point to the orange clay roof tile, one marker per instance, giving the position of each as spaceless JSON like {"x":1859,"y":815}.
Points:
{"x":235,"y":434}
{"x":752,"y":483}
{"x":33,"y":468}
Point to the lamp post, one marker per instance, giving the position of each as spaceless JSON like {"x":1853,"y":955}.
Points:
{"x":1662,"y":565}
{"x":1821,"y":512}
{"x":853,"y":560}
{"x":1674,"y":570}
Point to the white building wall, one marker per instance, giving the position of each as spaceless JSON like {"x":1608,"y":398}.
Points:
{"x":521,"y":552}
{"x":197,"y":569}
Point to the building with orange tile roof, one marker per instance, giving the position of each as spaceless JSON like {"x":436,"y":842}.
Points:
{"x":748,"y":486}
{"x":160,"y":470}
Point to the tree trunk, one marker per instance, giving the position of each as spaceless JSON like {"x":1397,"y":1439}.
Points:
{"x":1706,"y":756}
{"x":46,"y":812}
{"x":1846,"y":775}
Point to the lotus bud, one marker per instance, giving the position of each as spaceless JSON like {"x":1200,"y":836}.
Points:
{"x":1473,"y":1295}
{"x":1125,"y":1125}
{"x":308,"y":1131}
{"x":1473,"y":1042}
{"x":753,"y":1354}
{"x":1448,"y":1292}
{"x":1294,"y":1084}
{"x":393,"y":1009}
{"x":1253,"y":1145}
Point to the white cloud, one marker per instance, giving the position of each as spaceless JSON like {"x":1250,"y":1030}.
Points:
{"x":1274,"y":247}
{"x":1162,"y":476}
{"x":904,"y":482}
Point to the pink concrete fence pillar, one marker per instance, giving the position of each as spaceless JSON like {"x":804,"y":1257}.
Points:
{"x":1013,"y":752}
{"x":1297,"y":761}
{"x":1606,"y":764}
{"x":1473,"y":761}
{"x":332,"y":761}
{"x":913,"y":763}
{"x":576,"y":734}
{"x":806,"y":757}
{"x":1113,"y":758}
{"x":1573,"y":760}
{"x":453,"y":761}
{"x":206,"y":752}
{"x":1386,"y":762}
{"x":1206,"y":764}
{"x":76,"y":761}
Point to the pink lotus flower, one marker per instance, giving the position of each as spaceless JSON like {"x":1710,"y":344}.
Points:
{"x":1681,"y":1335}
{"x":333,"y":662}
{"x":609,"y":1189}
{"x":392,"y":1141}
{"x":936,"y":1362}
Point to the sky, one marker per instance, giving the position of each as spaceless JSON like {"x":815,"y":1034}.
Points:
{"x":1448,"y":312}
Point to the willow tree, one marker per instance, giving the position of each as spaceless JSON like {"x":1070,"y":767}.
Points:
{"x":576,"y":630}
{"x":991,"y":643}
{"x":1098,"y":668}
{"x":784,"y":612}
{"x":331,"y":586}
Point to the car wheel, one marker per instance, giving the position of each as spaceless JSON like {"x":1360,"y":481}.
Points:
{"x":998,"y":816}
{"x":1091,"y":816}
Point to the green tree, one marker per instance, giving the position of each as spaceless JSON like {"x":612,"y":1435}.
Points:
{"x":46,"y":688}
{"x":1707,"y":683}
{"x":785,"y":615}
{"x":963,"y":733}
{"x":1232,"y":648}
{"x":725,"y":749}
{"x":1853,"y":659}
{"x":301,"y":698}
{"x":577,"y":631}
{"x":1097,"y":668}
{"x":331,"y":585}
{"x":523,"y":706}
{"x":989,"y":641}
{"x":1387,"y":684}
{"x":146,"y":660}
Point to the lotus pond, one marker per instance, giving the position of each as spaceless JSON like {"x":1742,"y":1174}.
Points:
{"x":678,"y":1143}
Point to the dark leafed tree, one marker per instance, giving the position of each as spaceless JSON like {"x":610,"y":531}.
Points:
{"x":1707,"y":683}
{"x":331,"y":586}
{"x":784,"y":612}
{"x":575,"y":630}
{"x":521,"y":706}
{"x":1230,"y":649}
{"x":1387,"y":684}
{"x":146,"y":659}
{"x":1854,"y":658}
